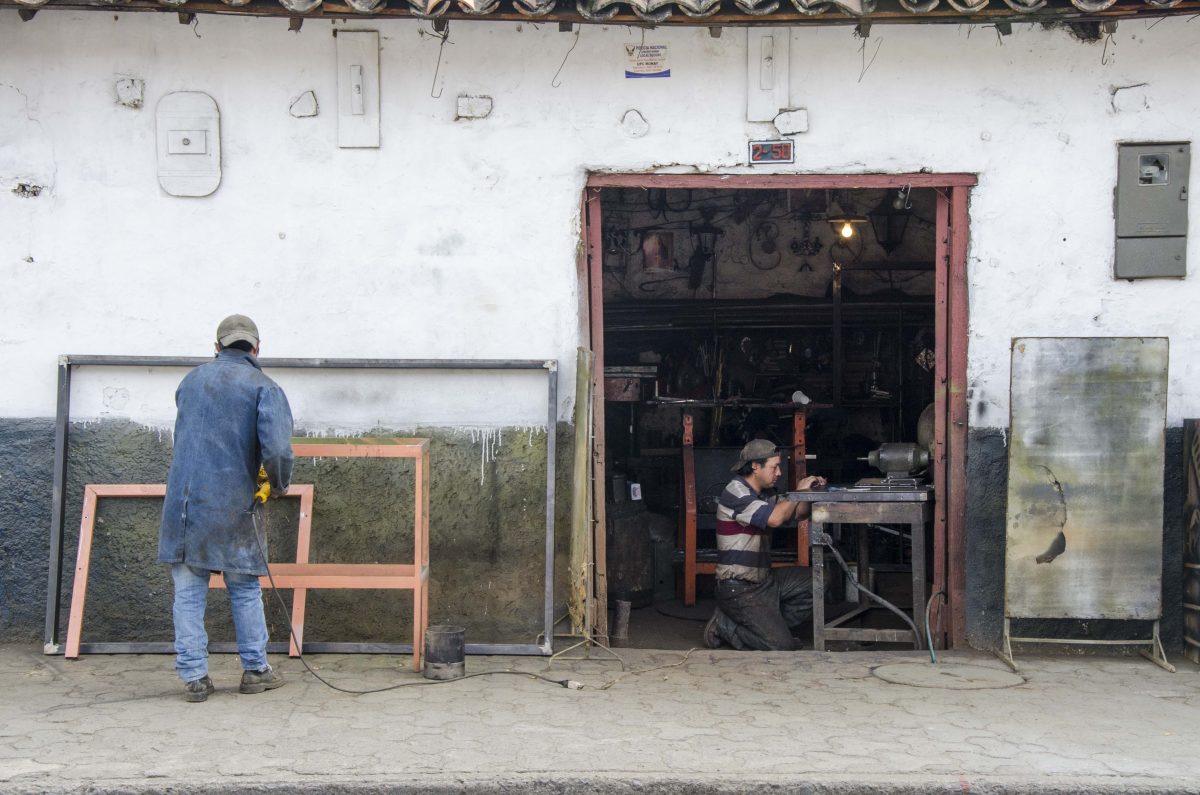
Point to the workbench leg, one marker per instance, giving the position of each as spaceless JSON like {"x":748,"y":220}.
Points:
{"x":817,"y":557}
{"x":917,"y":530}
{"x":864,"y":564}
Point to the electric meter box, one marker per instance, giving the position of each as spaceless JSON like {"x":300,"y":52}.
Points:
{"x":1152,"y":210}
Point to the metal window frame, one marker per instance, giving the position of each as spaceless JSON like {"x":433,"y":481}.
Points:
{"x":66,"y":365}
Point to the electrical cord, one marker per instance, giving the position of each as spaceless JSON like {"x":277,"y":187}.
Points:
{"x":928,"y":629}
{"x":616,"y":679}
{"x":567,"y":683}
{"x":882,"y":602}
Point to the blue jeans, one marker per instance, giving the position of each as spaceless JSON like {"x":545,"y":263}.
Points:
{"x":191,"y":639}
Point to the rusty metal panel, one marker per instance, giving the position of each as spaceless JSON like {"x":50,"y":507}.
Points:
{"x":619,"y":389}
{"x":1085,"y":484}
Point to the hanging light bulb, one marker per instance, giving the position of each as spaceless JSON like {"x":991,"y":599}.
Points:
{"x":843,"y":223}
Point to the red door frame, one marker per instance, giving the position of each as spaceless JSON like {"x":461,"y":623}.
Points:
{"x":950,"y":329}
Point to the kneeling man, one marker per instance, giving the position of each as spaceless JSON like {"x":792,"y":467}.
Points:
{"x":757,"y":605}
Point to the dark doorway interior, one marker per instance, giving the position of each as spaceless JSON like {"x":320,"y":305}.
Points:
{"x":730,"y":306}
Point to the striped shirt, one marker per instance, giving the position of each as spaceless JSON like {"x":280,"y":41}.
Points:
{"x":743,"y":536}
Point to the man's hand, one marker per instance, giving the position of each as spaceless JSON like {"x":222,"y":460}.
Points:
{"x":810,"y":482}
{"x":264,"y":486}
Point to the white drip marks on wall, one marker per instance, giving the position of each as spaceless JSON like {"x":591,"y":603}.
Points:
{"x":490,"y":441}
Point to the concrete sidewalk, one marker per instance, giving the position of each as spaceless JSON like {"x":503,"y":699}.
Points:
{"x":719,"y":721}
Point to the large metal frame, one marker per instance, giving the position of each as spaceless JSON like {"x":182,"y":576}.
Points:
{"x":66,"y":364}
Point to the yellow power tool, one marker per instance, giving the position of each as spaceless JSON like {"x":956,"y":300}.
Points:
{"x":264,"y":486}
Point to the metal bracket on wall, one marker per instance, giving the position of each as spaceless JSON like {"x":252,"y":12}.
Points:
{"x":66,"y":365}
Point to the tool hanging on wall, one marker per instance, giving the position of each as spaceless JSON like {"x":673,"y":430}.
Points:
{"x":714,"y":432}
{"x":764,"y":240}
{"x":704,"y":241}
{"x":616,"y":248}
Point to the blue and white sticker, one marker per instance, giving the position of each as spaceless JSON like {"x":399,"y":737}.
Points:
{"x":646,"y":60}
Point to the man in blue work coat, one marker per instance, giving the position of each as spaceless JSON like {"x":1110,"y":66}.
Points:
{"x":230,"y":420}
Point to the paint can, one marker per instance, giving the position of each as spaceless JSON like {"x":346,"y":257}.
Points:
{"x":445,"y":650}
{"x":620,"y":631}
{"x":630,"y":555}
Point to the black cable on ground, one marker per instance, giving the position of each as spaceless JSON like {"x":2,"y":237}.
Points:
{"x":882,"y":602}
{"x":567,"y":683}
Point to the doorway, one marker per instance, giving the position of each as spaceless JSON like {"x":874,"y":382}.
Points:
{"x":824,"y":313}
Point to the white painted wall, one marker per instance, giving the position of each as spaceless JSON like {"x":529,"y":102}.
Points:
{"x":458,"y":239}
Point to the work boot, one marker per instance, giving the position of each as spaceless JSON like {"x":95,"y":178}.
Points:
{"x":712,"y":639}
{"x":258,"y":681}
{"x":198,"y":690}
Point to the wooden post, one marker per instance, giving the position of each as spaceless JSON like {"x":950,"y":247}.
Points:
{"x":689,"y":511}
{"x":941,"y":358}
{"x":799,"y":470}
{"x":956,"y":394}
{"x":595,"y":249}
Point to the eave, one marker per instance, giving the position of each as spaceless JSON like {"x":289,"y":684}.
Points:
{"x":712,"y":14}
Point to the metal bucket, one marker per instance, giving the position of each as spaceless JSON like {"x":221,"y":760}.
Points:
{"x":445,"y":650}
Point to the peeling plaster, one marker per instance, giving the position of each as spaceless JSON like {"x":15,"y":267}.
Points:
{"x":27,"y":162}
{"x":1128,"y":98}
{"x":130,"y":92}
{"x":634,"y":124}
{"x":304,"y":106}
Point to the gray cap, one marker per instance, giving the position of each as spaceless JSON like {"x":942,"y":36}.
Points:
{"x":235,"y":328}
{"x":755,"y":450}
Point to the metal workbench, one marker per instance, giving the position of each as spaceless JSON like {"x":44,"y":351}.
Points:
{"x":866,"y":507}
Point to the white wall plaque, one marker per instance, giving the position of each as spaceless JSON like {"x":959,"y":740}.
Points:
{"x":358,"y":88}
{"x":189,"y":143}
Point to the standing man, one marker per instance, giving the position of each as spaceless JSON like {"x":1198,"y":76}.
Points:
{"x":231,"y":420}
{"x":757,"y":605}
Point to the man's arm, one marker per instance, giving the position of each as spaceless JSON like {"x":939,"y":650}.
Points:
{"x":275,"y":437}
{"x":783,"y":512}
{"x":799,"y":510}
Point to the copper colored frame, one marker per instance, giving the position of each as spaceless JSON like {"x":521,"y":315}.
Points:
{"x":950,"y":372}
{"x":301,"y":575}
{"x":94,"y":492}
{"x":413,"y":576}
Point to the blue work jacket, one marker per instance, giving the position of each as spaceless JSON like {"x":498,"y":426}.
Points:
{"x":230,"y":418}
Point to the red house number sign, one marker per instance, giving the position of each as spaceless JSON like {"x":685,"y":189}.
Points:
{"x":763,"y":152}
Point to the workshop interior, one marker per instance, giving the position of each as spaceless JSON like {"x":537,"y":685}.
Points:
{"x":802,"y":316}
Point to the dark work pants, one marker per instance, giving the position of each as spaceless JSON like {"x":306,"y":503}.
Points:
{"x":759,"y":615}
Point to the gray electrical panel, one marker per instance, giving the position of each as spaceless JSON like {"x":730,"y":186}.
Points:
{"x":1152,"y":210}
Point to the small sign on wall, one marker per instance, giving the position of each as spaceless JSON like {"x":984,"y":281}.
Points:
{"x":646,"y":60}
{"x":764,"y":152}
